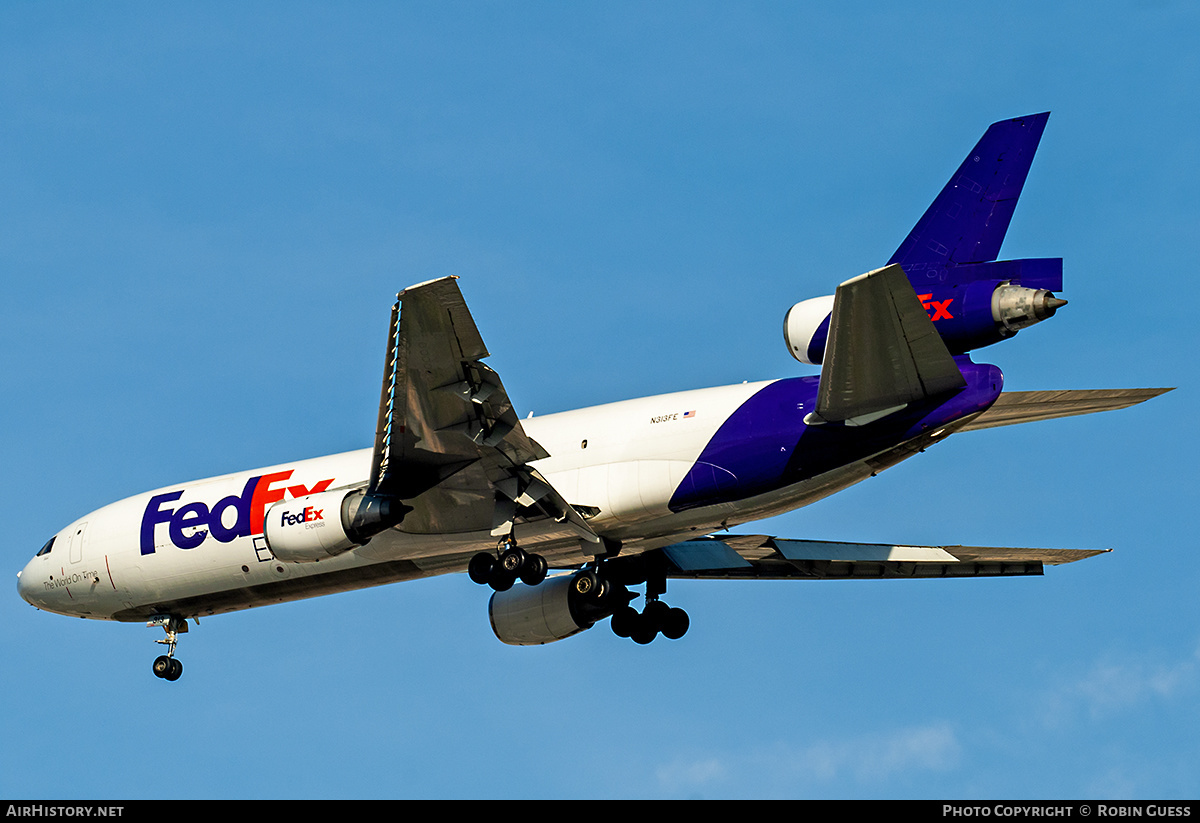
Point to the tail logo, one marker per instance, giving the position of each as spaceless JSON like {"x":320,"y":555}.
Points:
{"x":939,"y":307}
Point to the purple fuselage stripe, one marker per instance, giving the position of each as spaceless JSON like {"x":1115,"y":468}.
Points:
{"x":765,"y":446}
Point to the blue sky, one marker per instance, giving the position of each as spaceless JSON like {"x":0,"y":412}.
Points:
{"x":205,"y":213}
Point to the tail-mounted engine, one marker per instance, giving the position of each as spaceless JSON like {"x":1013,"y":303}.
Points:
{"x":975,"y":310}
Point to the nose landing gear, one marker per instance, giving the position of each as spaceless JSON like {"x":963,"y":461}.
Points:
{"x":166,"y":666}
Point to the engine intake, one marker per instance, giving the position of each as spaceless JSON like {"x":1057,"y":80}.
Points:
{"x":806,"y":327}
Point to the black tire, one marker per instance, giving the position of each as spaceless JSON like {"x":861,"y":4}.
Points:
{"x":623,"y":621}
{"x":513,"y":560}
{"x":480,"y":568}
{"x":500,"y":580}
{"x":163,"y":666}
{"x":644,"y":631}
{"x":176,"y":670}
{"x":675,"y":624}
{"x":535,"y":570}
{"x":656,"y":612}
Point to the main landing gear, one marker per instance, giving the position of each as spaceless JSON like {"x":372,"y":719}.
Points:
{"x":603,"y":591}
{"x":166,"y":666}
{"x":598,"y":590}
{"x":509,"y":564}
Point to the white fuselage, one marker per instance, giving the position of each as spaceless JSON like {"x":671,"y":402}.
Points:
{"x":197,"y":548}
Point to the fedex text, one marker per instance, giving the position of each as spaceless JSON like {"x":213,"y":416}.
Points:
{"x":238,"y":515}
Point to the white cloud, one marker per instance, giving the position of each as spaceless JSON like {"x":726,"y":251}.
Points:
{"x":1112,"y":685}
{"x":788,"y":770}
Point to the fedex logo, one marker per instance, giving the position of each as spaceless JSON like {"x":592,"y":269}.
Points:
{"x":238,"y":515}
{"x":939,"y":307}
{"x":307,"y":516}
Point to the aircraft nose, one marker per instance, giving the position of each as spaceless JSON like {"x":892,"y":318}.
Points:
{"x":26,"y":585}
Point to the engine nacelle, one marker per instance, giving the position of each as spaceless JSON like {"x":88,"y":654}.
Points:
{"x":806,"y":327}
{"x":323,"y":525}
{"x":967,"y":316}
{"x":536,"y":615}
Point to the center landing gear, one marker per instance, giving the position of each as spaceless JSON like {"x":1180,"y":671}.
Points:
{"x":657,"y":618}
{"x":509,"y":564}
{"x":166,"y":666}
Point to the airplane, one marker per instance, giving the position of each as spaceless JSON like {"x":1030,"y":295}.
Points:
{"x":563,"y":515}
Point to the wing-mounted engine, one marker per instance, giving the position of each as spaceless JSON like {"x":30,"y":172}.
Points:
{"x":536,"y":615}
{"x":319,"y":526}
{"x":555,"y":609}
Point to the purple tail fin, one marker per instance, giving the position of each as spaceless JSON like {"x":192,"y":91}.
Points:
{"x":968,"y":220}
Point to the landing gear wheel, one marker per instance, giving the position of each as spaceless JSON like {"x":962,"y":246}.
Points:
{"x":480,"y":567}
{"x":509,"y":563}
{"x":656,"y":612}
{"x":163,"y":666}
{"x":500,"y":580}
{"x":675,"y":624}
{"x":624,"y":620}
{"x":513,"y":560}
{"x":535,"y":570}
{"x":644,"y":630}
{"x":168,"y":668}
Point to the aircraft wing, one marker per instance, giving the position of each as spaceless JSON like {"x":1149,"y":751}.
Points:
{"x":1027,"y":406}
{"x":760,"y":557}
{"x":448,"y":442}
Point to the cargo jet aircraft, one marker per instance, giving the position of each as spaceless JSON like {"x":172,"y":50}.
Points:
{"x":617,"y":496}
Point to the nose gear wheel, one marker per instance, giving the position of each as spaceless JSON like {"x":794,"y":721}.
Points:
{"x":166,"y":666}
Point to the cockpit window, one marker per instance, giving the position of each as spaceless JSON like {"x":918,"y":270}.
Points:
{"x":46,"y":548}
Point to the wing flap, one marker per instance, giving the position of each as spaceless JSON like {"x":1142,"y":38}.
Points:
{"x":763,"y":557}
{"x":448,"y":441}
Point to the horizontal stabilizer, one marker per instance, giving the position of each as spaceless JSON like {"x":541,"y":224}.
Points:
{"x":883,"y":350}
{"x":1028,"y":406}
{"x":764,"y":557}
